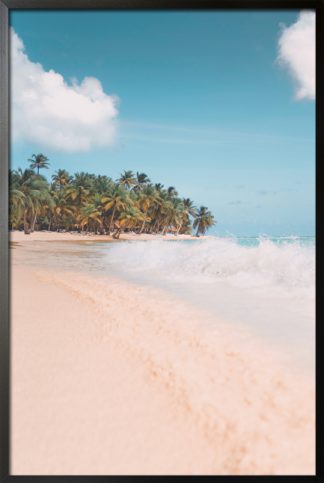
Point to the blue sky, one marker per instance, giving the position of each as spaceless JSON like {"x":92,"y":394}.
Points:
{"x":203,"y":105}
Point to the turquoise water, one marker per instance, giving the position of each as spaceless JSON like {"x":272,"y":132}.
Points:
{"x":253,"y":241}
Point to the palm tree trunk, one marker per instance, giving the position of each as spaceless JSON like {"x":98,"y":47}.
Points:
{"x":26,"y":225}
{"x":34,"y":222}
{"x":143,"y":226}
{"x":116,"y":235}
{"x":179,"y":228}
{"x":112,"y":220}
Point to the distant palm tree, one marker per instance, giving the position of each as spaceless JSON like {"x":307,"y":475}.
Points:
{"x":97,"y":203}
{"x":103,"y":184}
{"x":172,"y":192}
{"x":203,"y":221}
{"x":158,"y":186}
{"x":39,"y":161}
{"x":84,"y":179}
{"x":142,"y":180}
{"x":127,"y":179}
{"x":61,"y":178}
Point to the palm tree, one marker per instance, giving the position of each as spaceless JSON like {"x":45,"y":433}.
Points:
{"x":127,"y":179}
{"x":97,"y":203}
{"x":62,"y":213}
{"x":61,"y":178}
{"x":160,"y":209}
{"x":27,"y":193}
{"x":172,"y":192}
{"x":203,"y":221}
{"x":148,"y":198}
{"x":103,"y":184}
{"x":142,"y":180}
{"x":158,"y":186}
{"x":90,"y":216}
{"x":16,"y":205}
{"x":84,"y":179}
{"x":188,"y":209}
{"x":80,"y":187}
{"x":127,"y":219}
{"x":38,"y":161}
{"x":119,"y":200}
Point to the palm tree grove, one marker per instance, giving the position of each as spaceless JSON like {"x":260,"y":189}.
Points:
{"x":97,"y":204}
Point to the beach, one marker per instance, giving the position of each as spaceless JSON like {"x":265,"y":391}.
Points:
{"x":114,"y":377}
{"x":19,"y":236}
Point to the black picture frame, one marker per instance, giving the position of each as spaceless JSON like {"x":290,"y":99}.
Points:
{"x":5,"y":7}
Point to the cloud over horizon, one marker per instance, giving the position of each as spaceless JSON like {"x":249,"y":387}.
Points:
{"x":51,"y":112}
{"x":296,"y":52}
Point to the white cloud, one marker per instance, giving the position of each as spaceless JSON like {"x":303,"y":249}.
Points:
{"x":296,"y":51}
{"x":55,"y":114}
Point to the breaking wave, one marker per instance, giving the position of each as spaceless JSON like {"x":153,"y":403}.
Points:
{"x":284,"y":262}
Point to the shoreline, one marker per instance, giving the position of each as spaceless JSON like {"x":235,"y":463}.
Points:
{"x":19,"y":236}
{"x":132,"y":367}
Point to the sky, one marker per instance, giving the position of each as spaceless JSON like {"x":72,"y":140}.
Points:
{"x":219,"y":104}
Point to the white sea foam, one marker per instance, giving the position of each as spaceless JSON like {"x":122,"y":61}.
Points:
{"x":289,"y":263}
{"x":266,"y":285}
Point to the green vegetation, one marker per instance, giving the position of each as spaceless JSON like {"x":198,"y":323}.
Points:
{"x":97,"y":204}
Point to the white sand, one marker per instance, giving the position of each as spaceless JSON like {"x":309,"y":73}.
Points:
{"x":113,"y":378}
{"x":19,"y":236}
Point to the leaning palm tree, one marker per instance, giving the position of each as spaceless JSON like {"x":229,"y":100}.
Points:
{"x":203,"y":221}
{"x":38,"y":161}
{"x":127,"y":219}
